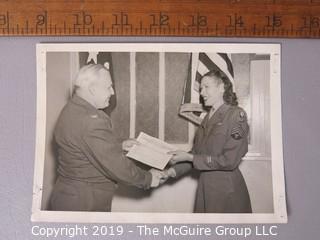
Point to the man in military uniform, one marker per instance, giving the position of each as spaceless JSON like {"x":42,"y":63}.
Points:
{"x":90,"y":156}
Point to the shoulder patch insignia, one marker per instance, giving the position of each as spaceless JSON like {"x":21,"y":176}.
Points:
{"x":237,"y":132}
{"x":236,"y":136}
{"x":242,"y":116}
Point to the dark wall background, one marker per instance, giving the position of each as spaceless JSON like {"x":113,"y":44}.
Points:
{"x":147,"y":108}
{"x":176,"y":65}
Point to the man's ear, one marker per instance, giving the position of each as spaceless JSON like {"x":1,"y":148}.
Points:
{"x":91,"y":89}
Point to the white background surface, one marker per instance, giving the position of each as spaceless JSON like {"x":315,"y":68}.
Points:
{"x":300,"y":116}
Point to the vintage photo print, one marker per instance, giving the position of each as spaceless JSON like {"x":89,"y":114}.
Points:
{"x":159,"y":133}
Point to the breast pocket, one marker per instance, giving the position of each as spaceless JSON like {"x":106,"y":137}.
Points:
{"x":216,"y":139}
{"x":218,"y":129}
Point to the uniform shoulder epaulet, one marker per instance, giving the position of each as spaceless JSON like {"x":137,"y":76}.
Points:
{"x":92,"y":114}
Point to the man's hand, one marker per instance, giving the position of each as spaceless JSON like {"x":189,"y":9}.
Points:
{"x":180,"y":156}
{"x":158,"y":177}
{"x":168,"y":173}
{"x":129,"y":143}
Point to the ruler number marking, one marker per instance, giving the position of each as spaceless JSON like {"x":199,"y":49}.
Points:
{"x":82,"y":20}
{"x":42,"y":22}
{"x":283,"y":18}
{"x":121,"y":20}
{"x":159,"y":20}
{"x":274,"y":21}
{"x":199,"y":22}
{"x":235,"y":22}
{"x":311,"y":22}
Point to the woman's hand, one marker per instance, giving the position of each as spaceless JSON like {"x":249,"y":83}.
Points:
{"x":180,"y":156}
{"x":129,"y":143}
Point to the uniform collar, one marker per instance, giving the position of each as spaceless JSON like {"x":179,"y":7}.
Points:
{"x":90,"y":109}
{"x":218,"y":116}
{"x":222,"y":110}
{"x":80,"y":101}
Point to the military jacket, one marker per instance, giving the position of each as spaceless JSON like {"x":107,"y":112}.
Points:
{"x":88,"y":149}
{"x":219,"y":145}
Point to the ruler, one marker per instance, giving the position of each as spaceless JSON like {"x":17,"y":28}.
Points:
{"x":215,"y":18}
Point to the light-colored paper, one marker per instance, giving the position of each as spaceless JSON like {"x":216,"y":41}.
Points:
{"x":269,"y":207}
{"x":151,"y":151}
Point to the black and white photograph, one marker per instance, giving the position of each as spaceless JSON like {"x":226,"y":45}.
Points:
{"x":159,"y":133}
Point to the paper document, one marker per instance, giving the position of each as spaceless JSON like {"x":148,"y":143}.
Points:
{"x":151,"y":151}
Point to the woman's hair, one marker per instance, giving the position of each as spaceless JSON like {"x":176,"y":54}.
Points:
{"x":219,"y":77}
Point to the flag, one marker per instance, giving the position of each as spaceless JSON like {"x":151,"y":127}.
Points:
{"x":105,"y":59}
{"x":200,"y":64}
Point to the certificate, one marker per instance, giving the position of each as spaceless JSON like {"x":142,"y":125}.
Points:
{"x":151,"y":151}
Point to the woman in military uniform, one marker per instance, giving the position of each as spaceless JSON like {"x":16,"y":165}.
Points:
{"x":219,"y":145}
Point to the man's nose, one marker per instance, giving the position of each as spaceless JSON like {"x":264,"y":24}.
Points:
{"x":112,"y":91}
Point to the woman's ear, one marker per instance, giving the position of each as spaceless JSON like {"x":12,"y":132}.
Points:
{"x":221,"y":88}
